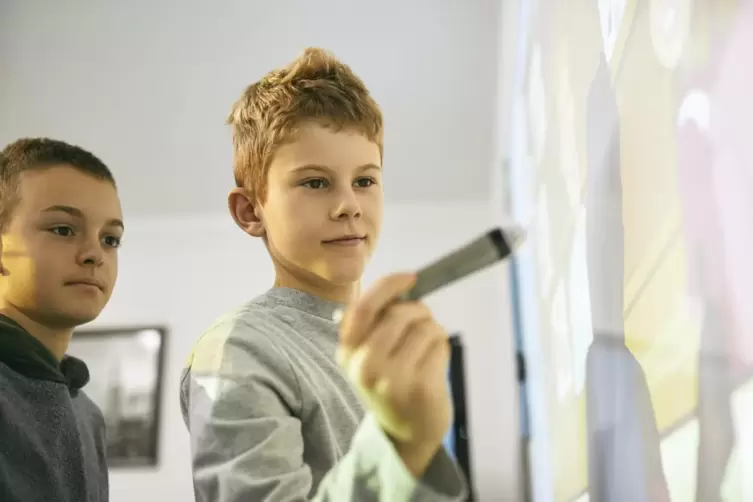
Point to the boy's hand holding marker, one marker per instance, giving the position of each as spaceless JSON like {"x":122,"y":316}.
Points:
{"x":397,"y":356}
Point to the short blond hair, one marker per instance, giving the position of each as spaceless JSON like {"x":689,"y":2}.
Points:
{"x":317,"y":87}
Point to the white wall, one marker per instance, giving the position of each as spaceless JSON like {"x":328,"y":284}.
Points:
{"x":185,"y":272}
{"x":147,"y":85}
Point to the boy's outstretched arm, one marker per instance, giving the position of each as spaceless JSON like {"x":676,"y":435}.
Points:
{"x":247,"y":443}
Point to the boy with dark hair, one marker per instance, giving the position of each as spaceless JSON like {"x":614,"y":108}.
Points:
{"x":61,"y":226}
{"x":271,"y":392}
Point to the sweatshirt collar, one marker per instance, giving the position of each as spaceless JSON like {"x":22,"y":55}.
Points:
{"x":27,"y":356}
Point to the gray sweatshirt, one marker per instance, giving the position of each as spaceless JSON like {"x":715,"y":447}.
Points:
{"x":52,"y":437}
{"x":273,"y":418}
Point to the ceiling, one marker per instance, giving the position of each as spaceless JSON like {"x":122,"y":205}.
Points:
{"x":147,"y":86}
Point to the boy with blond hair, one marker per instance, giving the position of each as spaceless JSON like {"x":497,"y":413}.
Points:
{"x":312,"y":391}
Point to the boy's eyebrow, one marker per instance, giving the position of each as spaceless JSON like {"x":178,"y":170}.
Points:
{"x":74,"y":211}
{"x":311,"y":167}
{"x":367,"y":167}
{"x":317,"y":167}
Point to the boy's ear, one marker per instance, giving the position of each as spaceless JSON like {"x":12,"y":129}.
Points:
{"x":245,"y":212}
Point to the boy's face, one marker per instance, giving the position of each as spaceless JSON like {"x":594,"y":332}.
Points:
{"x":60,"y":247}
{"x":323,"y":210}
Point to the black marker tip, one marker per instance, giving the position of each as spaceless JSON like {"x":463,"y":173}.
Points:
{"x":507,"y":240}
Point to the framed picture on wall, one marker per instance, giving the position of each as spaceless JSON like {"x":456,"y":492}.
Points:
{"x":125,"y":381}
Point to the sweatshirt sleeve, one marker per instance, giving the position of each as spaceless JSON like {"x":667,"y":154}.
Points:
{"x":247,"y":442}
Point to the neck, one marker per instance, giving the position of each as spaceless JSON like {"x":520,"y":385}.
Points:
{"x":55,"y":339}
{"x":319,"y":288}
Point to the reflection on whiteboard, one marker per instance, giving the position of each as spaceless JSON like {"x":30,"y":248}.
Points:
{"x":543,"y":246}
{"x":673,"y":235}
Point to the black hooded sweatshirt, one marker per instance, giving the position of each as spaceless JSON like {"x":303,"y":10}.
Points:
{"x":52,"y":436}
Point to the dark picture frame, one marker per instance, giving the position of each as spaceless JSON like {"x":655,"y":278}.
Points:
{"x":126,"y":371}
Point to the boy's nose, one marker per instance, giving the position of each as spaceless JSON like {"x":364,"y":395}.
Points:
{"x":347,"y":207}
{"x":91,"y":255}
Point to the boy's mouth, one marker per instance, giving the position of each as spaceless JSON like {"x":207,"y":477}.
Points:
{"x":93,"y":283}
{"x":346,"y":240}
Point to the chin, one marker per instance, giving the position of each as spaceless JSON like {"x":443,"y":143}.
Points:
{"x":345,"y":275}
{"x":341,"y":281}
{"x":61,"y":314}
{"x":74,"y":321}
{"x":75,"y":317}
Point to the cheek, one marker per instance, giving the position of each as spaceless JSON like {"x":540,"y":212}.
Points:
{"x":373,"y":214}
{"x":295,"y":237}
{"x":295,"y":221}
{"x":33,"y":279}
{"x":113,"y":268}
{"x":32,"y":258}
{"x":287,"y":233}
{"x":48,"y":267}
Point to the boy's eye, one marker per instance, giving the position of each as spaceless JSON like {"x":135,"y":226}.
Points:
{"x":112,"y":241}
{"x":315,"y":184}
{"x":365,"y":182}
{"x":62,"y":231}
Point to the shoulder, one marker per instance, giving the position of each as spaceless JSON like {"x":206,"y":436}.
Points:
{"x":7,"y":375}
{"x":87,"y":412}
{"x":245,"y":342}
{"x":241,"y":350}
{"x":247,"y":330}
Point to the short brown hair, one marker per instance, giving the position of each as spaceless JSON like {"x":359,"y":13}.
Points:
{"x":314,"y":87}
{"x":27,"y":154}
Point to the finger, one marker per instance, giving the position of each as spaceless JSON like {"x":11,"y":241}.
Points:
{"x":388,"y":334}
{"x":415,"y":345}
{"x":436,"y":357}
{"x":397,"y":320}
{"x":399,"y":378}
{"x":364,"y":313}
